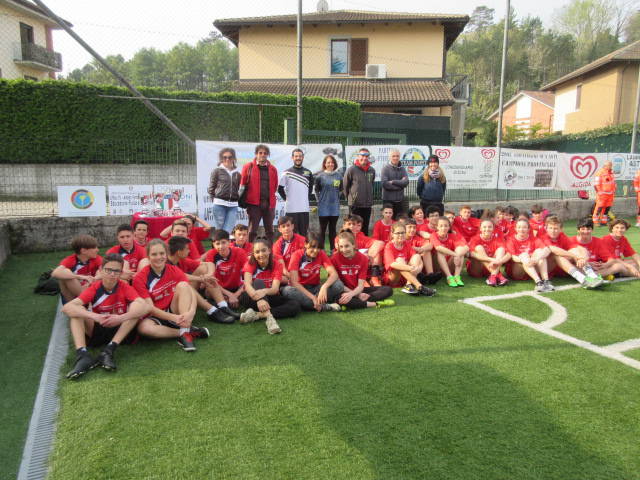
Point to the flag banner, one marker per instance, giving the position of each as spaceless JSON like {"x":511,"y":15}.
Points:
{"x":527,"y":169}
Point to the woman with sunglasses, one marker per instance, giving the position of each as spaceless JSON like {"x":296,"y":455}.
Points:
{"x":223,"y":188}
{"x":328,"y":185}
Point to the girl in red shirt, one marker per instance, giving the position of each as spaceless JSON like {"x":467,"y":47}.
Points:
{"x":262,"y":277}
{"x":528,"y":257}
{"x":487,"y":255}
{"x":450,"y":249}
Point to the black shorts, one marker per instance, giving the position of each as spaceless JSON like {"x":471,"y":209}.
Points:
{"x":103,"y":335}
{"x":164,"y":323}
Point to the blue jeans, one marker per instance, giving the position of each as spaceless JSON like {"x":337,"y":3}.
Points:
{"x":224,"y":217}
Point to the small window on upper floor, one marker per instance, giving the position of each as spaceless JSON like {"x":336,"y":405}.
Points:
{"x":26,"y":33}
{"x":349,"y":56}
{"x":578,"y":96}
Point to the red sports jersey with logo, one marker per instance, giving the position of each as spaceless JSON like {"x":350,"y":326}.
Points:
{"x":308,"y":268}
{"x":266,"y":275}
{"x":561,"y":241}
{"x":528,"y":246}
{"x":228,"y":270}
{"x":286,"y":248}
{"x":114,"y":302}
{"x":187,"y":265}
{"x":193,"y":252}
{"x":196,"y":235}
{"x":537,"y":227}
{"x":451,"y":241}
{"x":381,"y":231}
{"x":468,"y":229}
{"x":416,"y":241}
{"x":594,"y":248}
{"x":618,"y":248}
{"x":159,"y":288}
{"x":351,"y":270}
{"x":132,"y":256}
{"x":505,"y":226}
{"x":247,"y":247}
{"x":490,"y":246}
{"x":91,"y":267}
{"x":392,"y":253}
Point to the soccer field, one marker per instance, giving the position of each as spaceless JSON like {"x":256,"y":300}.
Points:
{"x":431,"y":388}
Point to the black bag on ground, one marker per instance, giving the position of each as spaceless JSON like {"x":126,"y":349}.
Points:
{"x":47,"y":285}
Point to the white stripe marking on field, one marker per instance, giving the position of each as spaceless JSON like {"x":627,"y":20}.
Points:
{"x":558,"y":315}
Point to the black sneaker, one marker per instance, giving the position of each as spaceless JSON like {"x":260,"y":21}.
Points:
{"x":410,"y":290}
{"x":230,"y":312}
{"x":83,"y":364}
{"x":433,"y":278}
{"x":105,"y":360}
{"x":186,"y":342}
{"x":220,"y":316}
{"x":199,"y":332}
{"x":427,"y":292}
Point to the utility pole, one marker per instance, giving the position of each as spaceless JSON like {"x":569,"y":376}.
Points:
{"x":299,"y":82}
{"x":634,"y":134}
{"x":505,"y":45}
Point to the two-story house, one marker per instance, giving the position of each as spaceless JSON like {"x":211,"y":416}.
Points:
{"x":386,"y":62}
{"x":599,"y":94}
{"x":526,"y":109}
{"x":26,"y":43}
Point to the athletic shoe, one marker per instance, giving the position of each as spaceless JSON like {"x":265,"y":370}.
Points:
{"x":459,"y":281}
{"x":230,"y":312}
{"x":492,"y":281}
{"x":272,"y":325}
{"x":427,"y":292}
{"x":595,"y":282}
{"x":83,"y":364}
{"x":610,"y":278}
{"x":199,"y":332}
{"x":387,"y":302}
{"x":219,"y":316}
{"x":548,"y":286}
{"x":249,"y":316}
{"x":502,"y":280}
{"x":105,"y":360}
{"x":331,"y":307}
{"x":186,"y":342}
{"x":410,"y":290}
{"x":451,"y":281}
{"x":539,"y":287}
{"x":433,"y":278}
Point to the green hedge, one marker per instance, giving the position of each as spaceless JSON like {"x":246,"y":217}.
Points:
{"x":67,"y":122}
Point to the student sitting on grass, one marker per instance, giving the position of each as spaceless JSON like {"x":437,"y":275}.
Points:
{"x":466,"y":225}
{"x":227,"y":262}
{"x":367,"y":246}
{"x":241,"y":238}
{"x":487,"y":256}
{"x":600,"y":258}
{"x":382,"y":228}
{"x":288,"y":242}
{"x":196,"y":234}
{"x":352,"y":266}
{"x":132,"y":253}
{"x":141,"y":233}
{"x":417,"y":215}
{"x":77,"y":271}
{"x":179,"y":229}
{"x":424,"y":248}
{"x":536,"y":220}
{"x":106,"y":313}
{"x":565,"y":258}
{"x":262,"y":277}
{"x":528,"y":257}
{"x":402,"y":264}
{"x":305,"y":286}
{"x":622,"y":250}
{"x":171,"y":299}
{"x":450,"y":249}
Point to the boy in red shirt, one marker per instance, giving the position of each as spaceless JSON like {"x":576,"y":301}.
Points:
{"x":450,"y":249}
{"x":466,"y":225}
{"x":536,"y":222}
{"x":76,"y":272}
{"x":132,"y":253}
{"x":141,"y":233}
{"x":382,"y":228}
{"x":179,"y":229}
{"x":227,"y":262}
{"x":488,"y":254}
{"x":105,"y":313}
{"x":600,"y":258}
{"x":289,"y":241}
{"x":622,"y":250}
{"x":241,"y":238}
{"x":196,"y":234}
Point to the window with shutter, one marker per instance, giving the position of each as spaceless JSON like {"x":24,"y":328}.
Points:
{"x":359,"y":55}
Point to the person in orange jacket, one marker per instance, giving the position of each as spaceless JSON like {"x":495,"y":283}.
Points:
{"x":636,"y":186}
{"x":605,"y":187}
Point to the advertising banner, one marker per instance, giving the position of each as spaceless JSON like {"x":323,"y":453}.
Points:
{"x":82,"y":201}
{"x":625,"y":165}
{"x":129,"y":199}
{"x":576,"y":170}
{"x":527,"y":169}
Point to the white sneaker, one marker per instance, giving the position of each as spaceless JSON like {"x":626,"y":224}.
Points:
{"x":548,"y":286}
{"x":539,"y":287}
{"x":249,"y":316}
{"x":272,"y":325}
{"x":331,"y":307}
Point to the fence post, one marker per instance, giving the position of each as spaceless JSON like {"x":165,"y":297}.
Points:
{"x":289,"y":131}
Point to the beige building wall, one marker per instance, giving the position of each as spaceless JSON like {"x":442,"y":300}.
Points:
{"x":10,"y":20}
{"x":628,"y":89}
{"x":407,"y":50}
{"x":598,"y":103}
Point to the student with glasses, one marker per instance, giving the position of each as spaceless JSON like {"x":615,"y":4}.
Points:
{"x":223,"y":188}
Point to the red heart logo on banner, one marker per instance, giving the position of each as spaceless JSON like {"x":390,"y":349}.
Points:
{"x":488,"y":153}
{"x":583,"y":167}
{"x":443,"y":153}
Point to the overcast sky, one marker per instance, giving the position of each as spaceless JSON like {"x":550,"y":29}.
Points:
{"x":125,"y":26}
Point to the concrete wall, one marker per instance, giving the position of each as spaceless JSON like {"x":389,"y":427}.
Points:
{"x":5,"y":245}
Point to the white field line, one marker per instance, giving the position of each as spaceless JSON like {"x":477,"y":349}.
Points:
{"x":558,"y":315}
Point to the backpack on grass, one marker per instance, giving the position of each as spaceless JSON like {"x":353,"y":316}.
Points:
{"x":47,"y":285}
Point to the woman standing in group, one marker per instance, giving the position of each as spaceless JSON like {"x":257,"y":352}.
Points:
{"x":432,"y":185}
{"x":223,"y":188}
{"x":328,"y":185}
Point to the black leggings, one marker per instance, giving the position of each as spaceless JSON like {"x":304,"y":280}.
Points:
{"x":331,"y":222}
{"x":375,"y":294}
{"x":281,"y":307}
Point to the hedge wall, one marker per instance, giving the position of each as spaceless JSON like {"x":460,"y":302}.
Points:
{"x":67,"y":122}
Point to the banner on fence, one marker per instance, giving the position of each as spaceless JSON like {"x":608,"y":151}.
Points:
{"x":576,"y":170}
{"x":625,"y":165}
{"x":527,"y":169}
{"x":129,"y":199}
{"x":82,"y":201}
{"x":169,"y":197}
{"x":207,"y":160}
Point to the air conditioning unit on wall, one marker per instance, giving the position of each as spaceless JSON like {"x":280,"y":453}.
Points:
{"x":374,"y":70}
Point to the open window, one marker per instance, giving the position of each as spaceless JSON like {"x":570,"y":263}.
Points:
{"x":349,"y":56}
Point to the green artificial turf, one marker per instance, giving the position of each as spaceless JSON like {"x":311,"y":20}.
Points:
{"x":523,"y":307}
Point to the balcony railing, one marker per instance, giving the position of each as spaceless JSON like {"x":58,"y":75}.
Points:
{"x":37,"y":56}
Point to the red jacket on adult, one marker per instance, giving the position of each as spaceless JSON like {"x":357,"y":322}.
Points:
{"x":252,"y":182}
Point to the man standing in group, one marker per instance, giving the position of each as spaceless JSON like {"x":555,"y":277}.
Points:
{"x":605,"y":187}
{"x":358,"y":187}
{"x":296,"y":185}
{"x":260,"y":178}
{"x":394,"y":180}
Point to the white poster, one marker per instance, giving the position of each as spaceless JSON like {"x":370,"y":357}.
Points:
{"x":82,"y":201}
{"x":129,"y":199}
{"x":527,"y":169}
{"x":576,"y":170}
{"x":625,"y":165}
{"x":207,"y":160}
{"x":168,"y":197}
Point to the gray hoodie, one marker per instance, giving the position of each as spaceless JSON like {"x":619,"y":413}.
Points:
{"x":358,"y":186}
{"x":394,"y":181}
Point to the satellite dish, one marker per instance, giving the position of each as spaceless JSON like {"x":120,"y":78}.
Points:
{"x":323,"y":6}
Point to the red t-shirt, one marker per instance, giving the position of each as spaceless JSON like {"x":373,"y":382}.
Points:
{"x":267,"y":275}
{"x":425,"y":227}
{"x":228,"y":270}
{"x":518,"y":247}
{"x":617,"y":248}
{"x":134,"y":256}
{"x":73,"y":263}
{"x":490,"y":246}
{"x":417,"y":241}
{"x":285,"y":249}
{"x":351,"y":270}
{"x":562,"y":241}
{"x":452,"y":241}
{"x":391,"y":253}
{"x":187,"y":265}
{"x":196,"y":235}
{"x":467,"y":229}
{"x":595,"y":249}
{"x":308,"y":268}
{"x":247,"y":247}
{"x":103,"y":301}
{"x":193,"y":251}
{"x":536,"y":227}
{"x":159,"y":288}
{"x":382,"y":231}
{"x":505,"y":226}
